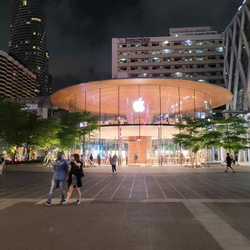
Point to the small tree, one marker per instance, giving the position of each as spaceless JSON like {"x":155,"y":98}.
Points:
{"x":233,"y":134}
{"x":16,"y":125}
{"x":46,"y":134}
{"x":74,"y":128}
{"x":189,"y":136}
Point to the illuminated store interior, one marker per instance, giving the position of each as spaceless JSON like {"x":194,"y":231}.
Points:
{"x":137,"y":116}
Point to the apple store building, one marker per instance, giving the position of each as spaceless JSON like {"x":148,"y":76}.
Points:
{"x":137,"y":116}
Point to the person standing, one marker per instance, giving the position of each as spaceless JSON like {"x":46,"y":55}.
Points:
{"x":229,"y":163}
{"x":113,"y":163}
{"x":74,"y":178}
{"x":60,"y":167}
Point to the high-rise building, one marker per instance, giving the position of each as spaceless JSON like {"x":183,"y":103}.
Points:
{"x":15,"y":80}
{"x":236,"y":43}
{"x":28,"y":38}
{"x":188,"y":53}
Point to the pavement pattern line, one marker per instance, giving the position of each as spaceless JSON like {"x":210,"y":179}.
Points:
{"x":160,"y":187}
{"x":118,"y":187}
{"x":146,"y":188}
{"x":214,"y":186}
{"x":131,"y":191}
{"x":221,"y":184}
{"x":223,"y":233}
{"x":200,"y":186}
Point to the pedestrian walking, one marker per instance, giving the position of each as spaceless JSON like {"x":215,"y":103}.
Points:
{"x":99,"y":159}
{"x":113,"y":162}
{"x":2,"y":164}
{"x":229,"y":163}
{"x":75,"y":175}
{"x":60,"y":167}
{"x":135,"y":158}
{"x":91,"y":159}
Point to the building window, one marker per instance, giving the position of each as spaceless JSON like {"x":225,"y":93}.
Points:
{"x":166,"y":59}
{"x":24,"y":2}
{"x":145,"y":60}
{"x":199,"y":43}
{"x":200,"y":58}
{"x":166,"y":51}
{"x":123,"y":60}
{"x":200,"y":51}
{"x":155,"y":59}
{"x":36,"y":19}
{"x":155,"y":44}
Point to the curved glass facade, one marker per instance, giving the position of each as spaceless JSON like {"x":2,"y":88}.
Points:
{"x":139,"y":120}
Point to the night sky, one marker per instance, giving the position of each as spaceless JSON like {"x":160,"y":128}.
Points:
{"x":80,"y":31}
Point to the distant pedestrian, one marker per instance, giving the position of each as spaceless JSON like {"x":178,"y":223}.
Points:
{"x":82,"y":159}
{"x":229,"y":163}
{"x":60,"y":167}
{"x":74,"y":178}
{"x":113,"y":162}
{"x":91,"y":159}
{"x":236,"y":160}
{"x":2,"y":164}
{"x":99,"y":159}
{"x":135,"y":158}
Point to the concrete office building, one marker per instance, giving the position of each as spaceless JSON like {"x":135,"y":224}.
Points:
{"x":15,"y":79}
{"x":188,"y":53}
{"x":236,"y":43}
{"x":28,"y":38}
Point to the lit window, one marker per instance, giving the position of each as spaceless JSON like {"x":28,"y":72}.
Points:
{"x":155,"y":59}
{"x":34,"y":33}
{"x":188,"y":42}
{"x":36,"y":19}
{"x":34,"y":47}
{"x":24,"y":2}
{"x":178,"y":74}
{"x":28,"y":22}
{"x":47,"y":54}
{"x":166,"y":51}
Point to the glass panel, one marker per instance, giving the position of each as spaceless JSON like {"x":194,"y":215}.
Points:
{"x":187,"y":101}
{"x":129,"y":96}
{"x":169,"y":104}
{"x":109,"y":106}
{"x":150,"y":95}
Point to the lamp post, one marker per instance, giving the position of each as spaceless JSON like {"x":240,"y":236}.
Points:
{"x":83,"y":125}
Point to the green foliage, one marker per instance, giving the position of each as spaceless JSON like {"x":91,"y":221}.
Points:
{"x":233,"y":134}
{"x":16,"y":125}
{"x":45,"y":134}
{"x":189,"y":136}
{"x":71,"y":133}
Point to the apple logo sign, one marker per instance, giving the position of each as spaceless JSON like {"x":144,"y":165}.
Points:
{"x":139,"y":105}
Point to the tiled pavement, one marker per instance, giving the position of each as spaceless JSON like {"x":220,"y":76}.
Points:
{"x":137,"y":208}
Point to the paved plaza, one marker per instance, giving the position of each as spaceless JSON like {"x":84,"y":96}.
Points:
{"x":168,"y":207}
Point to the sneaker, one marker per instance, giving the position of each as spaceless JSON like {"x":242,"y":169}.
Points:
{"x":47,"y":203}
{"x":63,"y":202}
{"x":78,"y":202}
{"x":225,"y":170}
